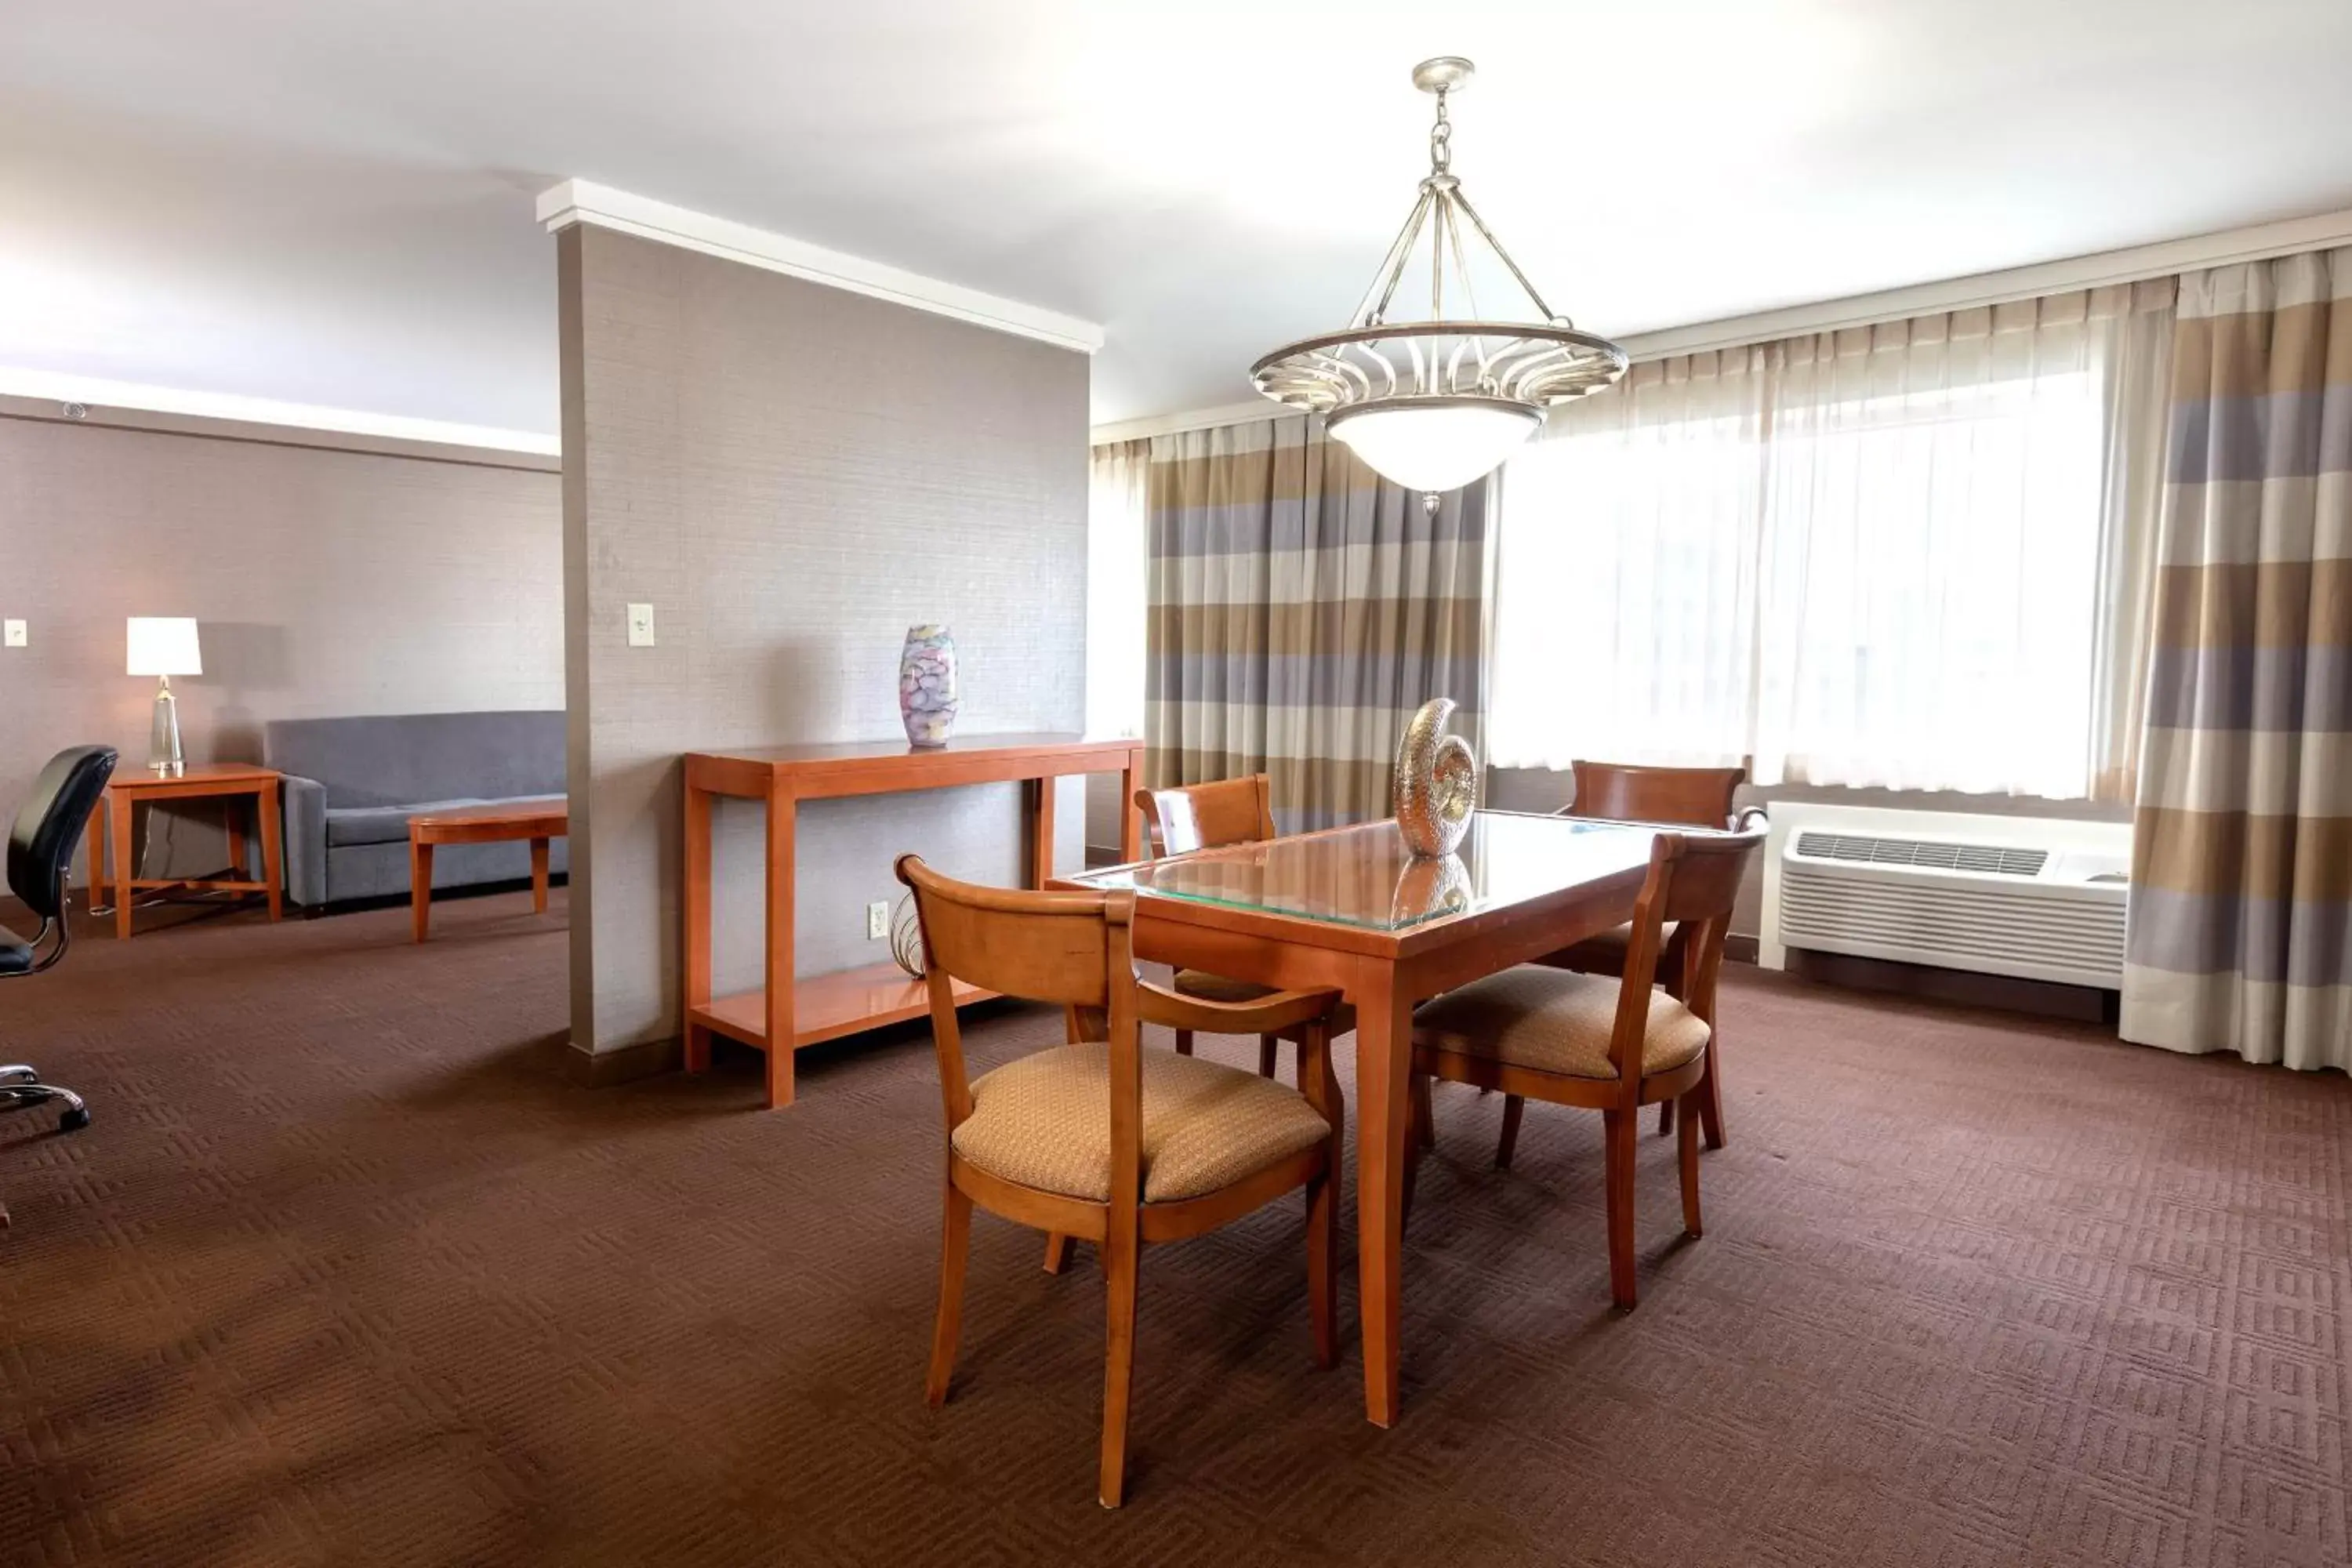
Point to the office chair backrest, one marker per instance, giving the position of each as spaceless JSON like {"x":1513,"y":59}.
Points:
{"x":41,"y":845}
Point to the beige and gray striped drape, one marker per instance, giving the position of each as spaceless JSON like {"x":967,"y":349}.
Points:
{"x":2240,"y":933}
{"x":1301,"y":608}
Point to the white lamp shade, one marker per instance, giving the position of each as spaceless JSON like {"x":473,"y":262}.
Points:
{"x":1434,"y":449}
{"x":163,"y":644}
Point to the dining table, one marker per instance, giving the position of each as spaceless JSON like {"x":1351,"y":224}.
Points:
{"x":1353,"y":909}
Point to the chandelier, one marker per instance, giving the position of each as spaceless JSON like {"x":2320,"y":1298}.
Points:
{"x":1432,"y":404}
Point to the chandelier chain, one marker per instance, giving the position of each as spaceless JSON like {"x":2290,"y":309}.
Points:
{"x":1441,"y":138}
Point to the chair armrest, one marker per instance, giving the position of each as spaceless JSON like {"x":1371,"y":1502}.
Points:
{"x":303,"y":803}
{"x":1751,"y":819}
{"x":1263,"y":1016}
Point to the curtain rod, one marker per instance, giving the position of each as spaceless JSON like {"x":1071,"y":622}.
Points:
{"x":2131,"y":264}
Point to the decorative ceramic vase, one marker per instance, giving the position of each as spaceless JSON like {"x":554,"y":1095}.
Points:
{"x":1436,"y":784}
{"x":927,"y":685}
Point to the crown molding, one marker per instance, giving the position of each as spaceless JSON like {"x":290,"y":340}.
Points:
{"x":2131,"y":264}
{"x":108,"y":401}
{"x":1197,"y":419}
{"x":583,"y":201}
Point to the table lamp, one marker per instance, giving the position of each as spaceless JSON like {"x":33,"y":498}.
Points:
{"x":164,"y":647}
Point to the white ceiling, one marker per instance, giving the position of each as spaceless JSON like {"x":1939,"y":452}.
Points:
{"x":330,"y":203}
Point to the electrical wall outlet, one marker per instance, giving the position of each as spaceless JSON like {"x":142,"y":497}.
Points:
{"x":641,"y":626}
{"x":14,"y":636}
{"x":877,"y":920}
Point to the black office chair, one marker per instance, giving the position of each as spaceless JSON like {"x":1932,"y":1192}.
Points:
{"x":40,"y":847}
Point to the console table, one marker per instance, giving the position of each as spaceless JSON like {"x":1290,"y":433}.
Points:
{"x":791,"y":1013}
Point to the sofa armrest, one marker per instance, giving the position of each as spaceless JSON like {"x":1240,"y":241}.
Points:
{"x":304,"y":802}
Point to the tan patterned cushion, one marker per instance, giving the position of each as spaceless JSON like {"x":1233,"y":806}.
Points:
{"x":1044,"y":1121}
{"x":1555,"y":1020}
{"x":1217,"y":988}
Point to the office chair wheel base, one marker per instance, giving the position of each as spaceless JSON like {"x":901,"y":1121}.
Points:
{"x":75,"y":1119}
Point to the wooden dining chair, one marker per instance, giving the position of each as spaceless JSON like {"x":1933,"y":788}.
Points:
{"x":1180,"y":819}
{"x":1610,"y":1044}
{"x":1625,"y":791}
{"x":1100,"y":1138}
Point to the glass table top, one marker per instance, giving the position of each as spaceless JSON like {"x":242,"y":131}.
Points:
{"x":1364,"y":876}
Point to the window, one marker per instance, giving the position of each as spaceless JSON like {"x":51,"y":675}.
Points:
{"x":1118,"y":521}
{"x":1872,"y":558}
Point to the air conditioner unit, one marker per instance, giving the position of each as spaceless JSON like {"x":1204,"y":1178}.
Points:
{"x":2039,"y":898}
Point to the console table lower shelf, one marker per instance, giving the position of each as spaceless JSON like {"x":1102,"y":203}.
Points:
{"x":825,"y":1008}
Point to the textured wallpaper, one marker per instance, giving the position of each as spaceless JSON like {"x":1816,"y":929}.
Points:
{"x":324,"y":582}
{"x":791,"y":475}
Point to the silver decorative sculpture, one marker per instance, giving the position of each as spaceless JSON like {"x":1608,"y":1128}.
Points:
{"x":906,"y":939}
{"x":1436,"y":784}
{"x":1429,"y":887}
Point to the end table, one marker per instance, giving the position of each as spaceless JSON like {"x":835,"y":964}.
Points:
{"x":110,"y":822}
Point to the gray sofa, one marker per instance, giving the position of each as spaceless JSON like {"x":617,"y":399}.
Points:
{"x":351,"y":786}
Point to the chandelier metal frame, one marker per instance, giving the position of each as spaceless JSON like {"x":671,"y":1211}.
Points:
{"x":1517,"y":368}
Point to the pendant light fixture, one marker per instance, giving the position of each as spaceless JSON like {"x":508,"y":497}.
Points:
{"x":1432,"y":404}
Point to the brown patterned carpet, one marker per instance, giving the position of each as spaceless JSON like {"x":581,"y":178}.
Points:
{"x":345,"y":1273}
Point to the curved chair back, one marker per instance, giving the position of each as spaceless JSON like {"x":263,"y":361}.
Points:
{"x":41,"y":844}
{"x":1074,"y":949}
{"x":1205,"y":815}
{"x":1694,"y":882}
{"x":1621,"y":791}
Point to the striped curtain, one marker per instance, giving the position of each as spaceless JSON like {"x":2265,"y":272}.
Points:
{"x":1301,"y":608}
{"x":2242,"y":880}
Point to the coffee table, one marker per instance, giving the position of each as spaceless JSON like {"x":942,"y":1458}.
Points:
{"x":537,"y":820}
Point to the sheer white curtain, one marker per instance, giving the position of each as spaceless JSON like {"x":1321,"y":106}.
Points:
{"x":1901,"y":556}
{"x":1119,"y":558}
{"x":1626,"y":619}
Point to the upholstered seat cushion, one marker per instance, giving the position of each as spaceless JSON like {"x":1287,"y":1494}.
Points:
{"x":1554,"y":1020}
{"x":348,"y":824}
{"x":1044,"y":1121}
{"x":1217,"y":988}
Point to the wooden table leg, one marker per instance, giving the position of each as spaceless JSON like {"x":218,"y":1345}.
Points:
{"x":271,"y":848}
{"x":782,"y":815}
{"x":538,"y":876}
{"x":1130,"y":817}
{"x":696,"y":921}
{"x":232,"y":819}
{"x":118,"y":835}
{"x":420,"y":886}
{"x":1040,"y":832}
{"x":1384,"y":1065}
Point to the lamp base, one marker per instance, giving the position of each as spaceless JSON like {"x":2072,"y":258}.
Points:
{"x":163,"y":753}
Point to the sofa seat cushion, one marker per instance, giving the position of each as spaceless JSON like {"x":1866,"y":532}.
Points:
{"x":1044,"y":1121}
{"x":1554,"y":1020}
{"x":381,"y":824}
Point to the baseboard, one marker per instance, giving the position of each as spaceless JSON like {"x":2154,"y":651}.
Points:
{"x":1739,"y":948}
{"x":602,"y":1070}
{"x":1959,"y":987}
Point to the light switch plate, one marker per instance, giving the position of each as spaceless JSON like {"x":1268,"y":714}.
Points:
{"x":15,"y":635}
{"x":641,"y":626}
